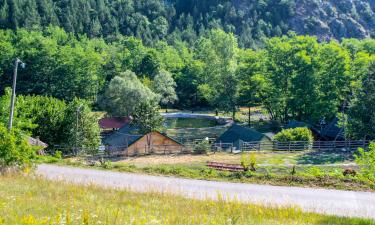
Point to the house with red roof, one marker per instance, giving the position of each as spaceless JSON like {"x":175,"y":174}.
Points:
{"x":110,"y":124}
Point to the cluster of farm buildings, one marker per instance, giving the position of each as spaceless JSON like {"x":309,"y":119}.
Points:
{"x":121,"y":137}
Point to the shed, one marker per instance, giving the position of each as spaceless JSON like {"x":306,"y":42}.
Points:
{"x":237,"y":135}
{"x":36,"y":142}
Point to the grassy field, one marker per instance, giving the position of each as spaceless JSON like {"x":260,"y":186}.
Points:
{"x":309,"y":169}
{"x":33,"y":201}
{"x":262,"y":159}
{"x":200,"y":130}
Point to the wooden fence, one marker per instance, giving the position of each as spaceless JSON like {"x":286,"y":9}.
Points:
{"x":187,"y":148}
{"x":295,"y":146}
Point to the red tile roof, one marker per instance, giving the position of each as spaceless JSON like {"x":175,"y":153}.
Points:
{"x":114,"y":122}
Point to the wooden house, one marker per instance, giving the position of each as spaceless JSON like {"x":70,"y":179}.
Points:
{"x":151,"y":143}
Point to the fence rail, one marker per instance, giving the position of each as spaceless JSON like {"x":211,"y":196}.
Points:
{"x":348,"y":146}
{"x":294,"y":146}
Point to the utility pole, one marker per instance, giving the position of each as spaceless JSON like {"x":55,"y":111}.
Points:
{"x":10,"y":125}
{"x":76,"y":133}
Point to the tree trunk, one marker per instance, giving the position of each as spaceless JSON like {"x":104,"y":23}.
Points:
{"x":249,"y":116}
{"x":234,"y":114}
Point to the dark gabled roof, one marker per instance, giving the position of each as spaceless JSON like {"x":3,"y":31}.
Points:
{"x":171,"y":138}
{"x":237,"y":132}
{"x":114,"y":122}
{"x":122,"y":137}
{"x":332,"y":130}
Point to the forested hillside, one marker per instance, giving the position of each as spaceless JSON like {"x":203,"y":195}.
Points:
{"x":130,"y":57}
{"x":171,"y":20}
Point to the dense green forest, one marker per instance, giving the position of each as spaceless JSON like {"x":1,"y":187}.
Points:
{"x":293,"y":77}
{"x":187,"y":20}
{"x":131,"y":57}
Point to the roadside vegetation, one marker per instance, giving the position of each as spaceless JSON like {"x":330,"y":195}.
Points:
{"x":25,"y":200}
{"x":334,"y":170}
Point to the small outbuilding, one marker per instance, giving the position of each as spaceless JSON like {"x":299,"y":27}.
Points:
{"x":237,"y":135}
{"x":38,"y":144}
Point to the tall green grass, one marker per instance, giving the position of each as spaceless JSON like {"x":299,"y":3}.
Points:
{"x":33,"y":201}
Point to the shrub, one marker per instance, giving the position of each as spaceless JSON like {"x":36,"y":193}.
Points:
{"x":14,"y":148}
{"x":302,"y":134}
{"x":315,"y":172}
{"x":58,"y":155}
{"x":202,"y":147}
{"x":248,"y":161}
{"x":366,"y":161}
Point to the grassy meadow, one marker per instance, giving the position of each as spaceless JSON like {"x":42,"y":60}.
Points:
{"x":25,"y":200}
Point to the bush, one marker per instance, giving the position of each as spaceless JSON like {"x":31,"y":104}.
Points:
{"x":14,"y":148}
{"x":202,"y":147}
{"x":248,"y":161}
{"x":302,"y":134}
{"x":366,"y":161}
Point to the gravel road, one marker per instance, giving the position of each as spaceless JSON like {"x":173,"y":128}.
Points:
{"x":332,"y":202}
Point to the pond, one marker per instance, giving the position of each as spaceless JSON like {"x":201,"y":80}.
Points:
{"x":178,"y":123}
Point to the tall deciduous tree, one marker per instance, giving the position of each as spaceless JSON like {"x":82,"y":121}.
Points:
{"x":147,"y":117}
{"x":125,"y":93}
{"x":361,"y":121}
{"x":219,"y":53}
{"x":290,"y":73}
{"x":80,"y":128}
{"x":164,"y":85}
{"x":334,"y":80}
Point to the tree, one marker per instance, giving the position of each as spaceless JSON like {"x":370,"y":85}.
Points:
{"x":366,"y":161}
{"x":164,"y":85}
{"x":47,"y":114}
{"x":333,"y":80}
{"x":125,"y":93}
{"x":14,"y":148}
{"x":219,"y":53}
{"x":302,"y":136}
{"x":295,"y":134}
{"x":361,"y":121}
{"x":251,"y":79}
{"x":147,"y":117}
{"x":80,"y":128}
{"x":290,"y":77}
{"x":21,"y":119}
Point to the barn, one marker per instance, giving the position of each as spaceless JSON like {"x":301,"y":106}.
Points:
{"x":237,"y":135}
{"x":151,"y":143}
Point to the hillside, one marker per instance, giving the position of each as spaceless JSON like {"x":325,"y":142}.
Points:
{"x":151,"y":20}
